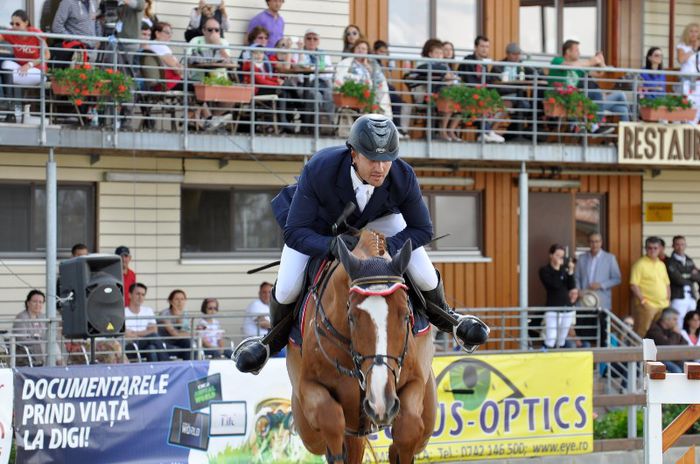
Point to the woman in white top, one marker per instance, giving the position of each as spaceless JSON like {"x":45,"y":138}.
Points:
{"x":367,"y":71}
{"x":689,"y":59}
{"x":210,"y":331}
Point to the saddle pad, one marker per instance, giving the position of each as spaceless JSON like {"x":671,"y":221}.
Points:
{"x":419,"y":322}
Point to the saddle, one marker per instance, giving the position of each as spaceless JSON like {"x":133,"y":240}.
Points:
{"x":321,"y":268}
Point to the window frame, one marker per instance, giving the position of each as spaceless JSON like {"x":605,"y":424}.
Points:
{"x":466,"y":253}
{"x":90,"y":241}
{"x":228,"y":255}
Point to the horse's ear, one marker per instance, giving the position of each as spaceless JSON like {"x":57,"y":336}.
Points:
{"x":400,"y":261}
{"x":350,"y":262}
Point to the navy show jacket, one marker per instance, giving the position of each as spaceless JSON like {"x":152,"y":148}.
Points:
{"x":307,"y":210}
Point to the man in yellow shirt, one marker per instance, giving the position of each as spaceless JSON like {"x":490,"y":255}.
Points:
{"x":650,"y":286}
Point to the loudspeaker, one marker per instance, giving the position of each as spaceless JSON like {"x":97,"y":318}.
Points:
{"x":96,"y":308}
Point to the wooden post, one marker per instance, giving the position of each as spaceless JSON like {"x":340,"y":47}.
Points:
{"x":688,"y":457}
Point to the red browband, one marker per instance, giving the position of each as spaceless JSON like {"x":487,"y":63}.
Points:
{"x":378,"y":292}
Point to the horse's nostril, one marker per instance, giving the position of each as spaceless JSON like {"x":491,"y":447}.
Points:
{"x":393,"y":408}
{"x":367,"y":406}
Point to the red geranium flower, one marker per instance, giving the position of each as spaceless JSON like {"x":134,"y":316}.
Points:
{"x":78,"y":102}
{"x":551,"y":100}
{"x":481,"y":103}
{"x":109,"y":71}
{"x":82,"y":76}
{"x":87,"y":66}
{"x":475,"y":96}
{"x":590,"y":116}
{"x":122,"y":88}
{"x":77,"y":91}
{"x":366,"y":93}
{"x":85,"y":93}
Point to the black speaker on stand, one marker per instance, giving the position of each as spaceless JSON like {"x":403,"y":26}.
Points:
{"x":92,"y":294}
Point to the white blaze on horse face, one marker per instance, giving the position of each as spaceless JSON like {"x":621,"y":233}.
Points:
{"x":378,"y":310}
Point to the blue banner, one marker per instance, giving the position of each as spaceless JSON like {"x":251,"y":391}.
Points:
{"x":131,"y":413}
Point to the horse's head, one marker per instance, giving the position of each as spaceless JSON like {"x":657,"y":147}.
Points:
{"x":379,"y":321}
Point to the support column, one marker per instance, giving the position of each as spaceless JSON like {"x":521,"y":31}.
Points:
{"x":523,"y":209}
{"x":51,"y":234}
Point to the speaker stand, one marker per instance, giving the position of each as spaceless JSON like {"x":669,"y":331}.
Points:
{"x":92,"y":350}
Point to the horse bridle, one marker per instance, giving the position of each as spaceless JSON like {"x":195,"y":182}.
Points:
{"x":366,"y":286}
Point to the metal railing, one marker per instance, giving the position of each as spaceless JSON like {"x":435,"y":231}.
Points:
{"x":303,"y":101}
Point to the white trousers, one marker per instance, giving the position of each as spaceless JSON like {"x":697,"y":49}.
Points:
{"x":683,"y":306}
{"x":290,"y":276}
{"x":556,"y":327}
{"x":32,"y":77}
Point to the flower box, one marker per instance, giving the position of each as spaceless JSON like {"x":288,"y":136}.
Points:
{"x":554,"y":110}
{"x":343,"y":101}
{"x":224,"y":93}
{"x":445,"y":105}
{"x":663,"y":114}
{"x":65,"y":89}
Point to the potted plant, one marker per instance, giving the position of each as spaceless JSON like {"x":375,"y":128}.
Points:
{"x":666,"y":108}
{"x":473,"y":102}
{"x":571,"y":103}
{"x":355,"y":95}
{"x":220,"y":89}
{"x":89,"y":81}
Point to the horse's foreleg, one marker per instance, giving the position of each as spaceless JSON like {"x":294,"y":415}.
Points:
{"x":408,"y":429}
{"x":325,"y":415}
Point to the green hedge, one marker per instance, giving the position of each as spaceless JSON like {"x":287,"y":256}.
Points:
{"x":614,"y":423}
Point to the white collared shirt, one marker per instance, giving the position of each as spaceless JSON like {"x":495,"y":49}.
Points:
{"x":363,"y":191}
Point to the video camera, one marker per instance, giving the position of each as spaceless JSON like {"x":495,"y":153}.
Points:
{"x":109,"y":13}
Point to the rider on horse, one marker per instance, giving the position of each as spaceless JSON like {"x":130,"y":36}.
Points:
{"x":385,"y":189}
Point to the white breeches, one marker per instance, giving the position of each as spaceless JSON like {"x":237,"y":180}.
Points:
{"x":556,"y":327}
{"x":290,"y":276}
{"x":31,"y":78}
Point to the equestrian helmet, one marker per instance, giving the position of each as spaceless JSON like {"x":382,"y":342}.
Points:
{"x":375,"y":136}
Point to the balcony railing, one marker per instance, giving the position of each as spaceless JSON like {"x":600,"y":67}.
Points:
{"x":299,"y":110}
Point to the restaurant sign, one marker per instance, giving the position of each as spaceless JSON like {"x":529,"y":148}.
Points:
{"x":659,"y":144}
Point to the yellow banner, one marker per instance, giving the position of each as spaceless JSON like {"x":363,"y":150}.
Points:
{"x":502,"y":406}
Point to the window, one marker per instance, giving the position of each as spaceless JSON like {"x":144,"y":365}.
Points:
{"x":228,"y":221}
{"x":23,"y":208}
{"x":458,"y":215}
{"x":412,"y":22}
{"x":590,"y":217}
{"x":551,"y":22}
{"x":7,"y":7}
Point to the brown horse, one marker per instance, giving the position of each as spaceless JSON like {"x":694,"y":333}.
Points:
{"x":360,"y":368}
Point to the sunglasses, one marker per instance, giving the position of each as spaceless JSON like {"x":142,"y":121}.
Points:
{"x":213,"y":29}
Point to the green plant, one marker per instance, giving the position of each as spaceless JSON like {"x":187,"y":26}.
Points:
{"x":473,"y":102}
{"x":577,"y":105}
{"x":217,"y":80}
{"x":670,"y":102}
{"x":364,"y":93}
{"x":86,"y":80}
{"x":614,"y":423}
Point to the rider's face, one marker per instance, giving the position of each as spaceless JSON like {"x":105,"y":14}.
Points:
{"x":372,"y":172}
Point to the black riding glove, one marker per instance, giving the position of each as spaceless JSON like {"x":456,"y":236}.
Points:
{"x":349,"y":240}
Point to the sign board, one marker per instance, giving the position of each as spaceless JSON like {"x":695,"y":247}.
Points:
{"x":658,"y":144}
{"x":658,"y":212}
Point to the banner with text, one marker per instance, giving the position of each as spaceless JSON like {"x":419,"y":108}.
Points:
{"x":208,"y":412}
{"x":6,"y":394}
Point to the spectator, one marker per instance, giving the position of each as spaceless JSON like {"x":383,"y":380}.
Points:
{"x":142,"y":332}
{"x":263,"y":75}
{"x":30,"y":332}
{"x":77,"y":18}
{"x":366,"y":71}
{"x":48,"y":13}
{"x":448,"y":52}
{"x":27,"y":68}
{"x":149,"y":14}
{"x":163,"y":32}
{"x":175,"y":326}
{"x":284,"y":62}
{"x":435,"y":75}
{"x":351,"y":35}
{"x":615,"y":101}
{"x":79,"y":249}
{"x":560,"y":285}
{"x":322,"y":96}
{"x":199,"y":16}
{"x":598,"y":270}
{"x":198,"y":53}
{"x":665,"y":332}
{"x":271,"y":20}
{"x":653,"y":85}
{"x":146,"y":32}
{"x":129,"y":277}
{"x":210,"y":331}
{"x":478,"y":74}
{"x":662,"y":253}
{"x":257,"y":321}
{"x":513,"y":96}
{"x":650,"y":286}
{"x":683,"y":275}
{"x":691,"y":328}
{"x":688,"y":58}
{"x":398,"y":109}
{"x":258,"y":36}
{"x":130,"y":17}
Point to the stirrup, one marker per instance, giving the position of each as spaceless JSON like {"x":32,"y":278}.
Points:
{"x":469,"y":349}
{"x":245,"y":343}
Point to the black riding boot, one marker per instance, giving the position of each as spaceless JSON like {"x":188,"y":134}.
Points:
{"x":469,"y":331}
{"x":252,"y":354}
